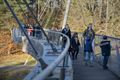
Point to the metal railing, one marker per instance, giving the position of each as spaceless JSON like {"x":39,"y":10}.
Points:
{"x":51,"y":67}
{"x":55,"y":39}
{"x":30,"y":40}
{"x":39,"y":40}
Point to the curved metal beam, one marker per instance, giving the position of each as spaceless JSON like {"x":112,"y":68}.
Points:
{"x":51,"y":67}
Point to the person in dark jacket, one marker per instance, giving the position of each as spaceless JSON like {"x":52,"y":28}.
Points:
{"x":75,"y":45}
{"x":66,"y":31}
{"x":106,"y":51}
{"x":37,"y":31}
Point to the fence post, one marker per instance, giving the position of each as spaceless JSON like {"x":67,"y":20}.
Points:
{"x":118,"y":55}
{"x":62,"y":73}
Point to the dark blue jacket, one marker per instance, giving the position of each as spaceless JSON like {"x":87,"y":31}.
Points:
{"x":106,"y":49}
{"x":67,"y":32}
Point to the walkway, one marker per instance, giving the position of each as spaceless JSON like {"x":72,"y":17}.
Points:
{"x":82,"y":72}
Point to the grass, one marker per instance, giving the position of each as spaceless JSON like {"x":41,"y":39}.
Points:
{"x":16,"y":59}
{"x":9,"y":63}
{"x":14,"y":75}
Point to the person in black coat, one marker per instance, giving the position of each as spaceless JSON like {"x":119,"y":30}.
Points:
{"x":75,"y":46}
{"x":106,"y":51}
{"x":66,"y":31}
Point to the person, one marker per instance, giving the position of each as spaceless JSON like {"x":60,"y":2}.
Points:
{"x":106,"y":51}
{"x":89,"y":55}
{"x":89,"y":33}
{"x":30,"y":30}
{"x":37,"y":31}
{"x":66,"y":31}
{"x":75,"y":45}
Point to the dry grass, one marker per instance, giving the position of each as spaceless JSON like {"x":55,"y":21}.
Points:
{"x":16,"y":59}
{"x":14,"y":75}
{"x":16,"y":56}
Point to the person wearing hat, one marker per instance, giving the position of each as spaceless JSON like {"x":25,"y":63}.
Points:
{"x":106,"y":51}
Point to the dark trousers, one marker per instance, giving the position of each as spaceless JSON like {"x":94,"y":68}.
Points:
{"x":74,"y":54}
{"x":105,"y":61}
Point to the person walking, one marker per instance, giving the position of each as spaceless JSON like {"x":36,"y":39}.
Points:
{"x":66,"y":31}
{"x":89,"y":55}
{"x":106,"y":51}
{"x":75,"y":46}
{"x":89,"y":33}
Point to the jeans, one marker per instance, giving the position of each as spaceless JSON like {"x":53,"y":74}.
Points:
{"x":89,"y":57}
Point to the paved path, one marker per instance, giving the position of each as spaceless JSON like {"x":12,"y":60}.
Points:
{"x":82,"y":72}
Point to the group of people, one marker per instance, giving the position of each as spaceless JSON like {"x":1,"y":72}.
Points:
{"x":74,"y":42}
{"x":33,"y":30}
{"x":89,"y":45}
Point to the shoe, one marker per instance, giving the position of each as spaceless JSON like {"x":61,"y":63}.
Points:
{"x":105,"y":67}
{"x":91,"y":65}
{"x":76,"y":57}
{"x":86,"y":64}
{"x":73,"y":58}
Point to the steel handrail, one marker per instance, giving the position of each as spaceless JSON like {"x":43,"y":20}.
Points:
{"x":108,"y":37}
{"x":51,"y":67}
